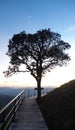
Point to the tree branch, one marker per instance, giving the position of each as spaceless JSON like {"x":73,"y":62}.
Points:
{"x":12,"y":70}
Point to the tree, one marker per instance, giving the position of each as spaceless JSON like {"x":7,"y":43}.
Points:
{"x":39,"y":52}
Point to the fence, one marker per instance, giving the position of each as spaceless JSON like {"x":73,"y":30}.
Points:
{"x":7,"y":114}
{"x":32,"y":92}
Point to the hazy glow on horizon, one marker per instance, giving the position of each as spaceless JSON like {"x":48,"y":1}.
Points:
{"x":25,"y":15}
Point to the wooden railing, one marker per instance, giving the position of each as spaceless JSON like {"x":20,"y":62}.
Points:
{"x":7,"y":114}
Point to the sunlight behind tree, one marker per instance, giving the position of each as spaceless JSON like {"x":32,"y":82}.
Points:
{"x":39,"y":53}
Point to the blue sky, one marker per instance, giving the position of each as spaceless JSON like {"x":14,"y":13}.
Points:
{"x":32,"y":15}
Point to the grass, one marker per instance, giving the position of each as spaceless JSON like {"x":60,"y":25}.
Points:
{"x":58,"y":107}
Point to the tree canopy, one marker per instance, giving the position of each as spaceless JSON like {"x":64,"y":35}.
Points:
{"x":39,"y":52}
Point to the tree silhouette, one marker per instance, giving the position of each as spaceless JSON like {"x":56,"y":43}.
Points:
{"x":39,"y":52}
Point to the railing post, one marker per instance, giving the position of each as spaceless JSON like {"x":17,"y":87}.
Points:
{"x":28,"y":93}
{"x":34,"y":92}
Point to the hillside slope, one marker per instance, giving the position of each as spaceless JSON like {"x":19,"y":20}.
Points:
{"x":58,"y":107}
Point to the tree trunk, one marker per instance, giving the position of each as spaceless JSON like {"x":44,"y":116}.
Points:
{"x":39,"y":90}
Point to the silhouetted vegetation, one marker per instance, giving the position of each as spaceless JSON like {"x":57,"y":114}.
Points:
{"x":58,"y":107}
{"x":39,"y":53}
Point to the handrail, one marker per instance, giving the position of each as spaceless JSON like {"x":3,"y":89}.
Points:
{"x":7,"y":114}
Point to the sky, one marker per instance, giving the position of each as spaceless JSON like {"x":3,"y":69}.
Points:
{"x":30,"y":16}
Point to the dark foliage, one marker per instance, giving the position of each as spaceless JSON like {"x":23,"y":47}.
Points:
{"x":58,"y":107}
{"x":39,"y":53}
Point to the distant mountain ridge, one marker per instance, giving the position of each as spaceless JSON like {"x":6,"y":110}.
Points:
{"x":4,"y":99}
{"x":7,"y":94}
{"x":11,"y":91}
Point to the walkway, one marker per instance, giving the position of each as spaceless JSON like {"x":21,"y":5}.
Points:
{"x":29,"y":117}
